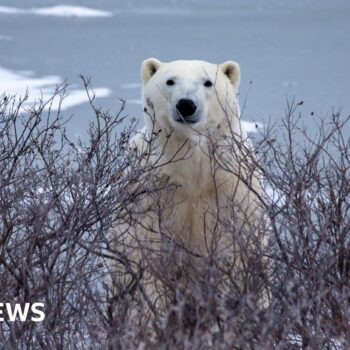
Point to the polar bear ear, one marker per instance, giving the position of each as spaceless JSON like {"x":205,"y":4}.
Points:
{"x":148,"y":68}
{"x":232,"y":70}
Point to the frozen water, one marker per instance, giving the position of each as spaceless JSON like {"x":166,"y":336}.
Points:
{"x":249,"y":126}
{"x":285,"y":48}
{"x":19,"y":83}
{"x":59,"y":11}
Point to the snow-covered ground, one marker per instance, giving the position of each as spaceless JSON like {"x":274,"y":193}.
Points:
{"x":58,"y":11}
{"x":23,"y":82}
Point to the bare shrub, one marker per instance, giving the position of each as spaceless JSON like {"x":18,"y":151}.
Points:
{"x":309,"y":172}
{"x":60,"y":200}
{"x":56,"y":205}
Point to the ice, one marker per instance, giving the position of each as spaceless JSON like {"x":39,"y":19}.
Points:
{"x":250,"y":126}
{"x":70,"y":11}
{"x":58,"y":11}
{"x":274,"y":195}
{"x":21,"y":82}
{"x":11,"y":10}
{"x":78,"y":97}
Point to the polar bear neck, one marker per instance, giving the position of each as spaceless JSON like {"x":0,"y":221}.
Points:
{"x":188,"y":165}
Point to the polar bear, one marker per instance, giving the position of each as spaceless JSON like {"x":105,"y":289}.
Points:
{"x":210,"y":199}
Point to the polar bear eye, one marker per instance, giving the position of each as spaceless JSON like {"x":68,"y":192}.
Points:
{"x":208,"y":84}
{"x":170,"y":82}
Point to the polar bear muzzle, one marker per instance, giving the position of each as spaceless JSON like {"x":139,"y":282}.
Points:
{"x":185,"y":110}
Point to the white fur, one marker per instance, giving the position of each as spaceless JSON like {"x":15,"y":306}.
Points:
{"x":199,"y":187}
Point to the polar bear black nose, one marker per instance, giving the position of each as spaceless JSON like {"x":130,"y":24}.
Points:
{"x":186,"y":107}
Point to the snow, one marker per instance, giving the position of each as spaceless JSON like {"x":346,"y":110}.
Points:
{"x":250,"y":126}
{"x":11,"y":10}
{"x":57,"y":11}
{"x":274,"y":195}
{"x":18,"y":83}
{"x":70,"y":11}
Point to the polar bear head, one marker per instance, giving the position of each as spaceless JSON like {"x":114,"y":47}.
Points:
{"x":190,"y":96}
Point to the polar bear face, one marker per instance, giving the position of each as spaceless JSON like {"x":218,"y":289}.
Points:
{"x":188,"y":97}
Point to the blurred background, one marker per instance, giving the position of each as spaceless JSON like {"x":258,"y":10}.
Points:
{"x":286,"y":48}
